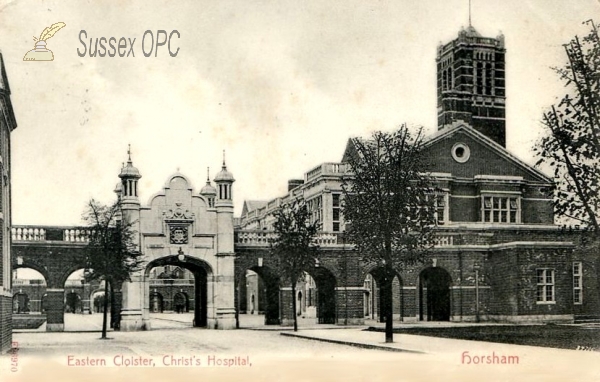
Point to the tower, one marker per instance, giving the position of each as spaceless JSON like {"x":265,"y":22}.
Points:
{"x":471,"y":83}
{"x":131,"y":314}
{"x":224,"y":296}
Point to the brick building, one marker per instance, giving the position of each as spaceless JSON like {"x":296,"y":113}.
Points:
{"x":499,"y":255}
{"x":7,"y":124}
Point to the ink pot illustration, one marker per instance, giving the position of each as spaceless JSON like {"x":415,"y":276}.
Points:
{"x":41,"y":53}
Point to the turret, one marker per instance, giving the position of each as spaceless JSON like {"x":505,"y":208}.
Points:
{"x":129,"y":180}
{"x":224,"y":206}
{"x":224,"y":181}
{"x":208,"y":191}
{"x":128,"y":194}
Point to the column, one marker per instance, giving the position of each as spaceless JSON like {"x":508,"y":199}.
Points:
{"x":133,"y":303}
{"x":350,"y":305}
{"x":285,"y":306}
{"x":55,"y":309}
{"x":225,"y":292}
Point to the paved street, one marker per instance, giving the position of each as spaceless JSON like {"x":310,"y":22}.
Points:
{"x":174,"y":349}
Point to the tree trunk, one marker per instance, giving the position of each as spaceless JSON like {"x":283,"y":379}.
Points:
{"x":105,"y":313}
{"x":294,"y":306}
{"x":387,"y":304}
{"x":112,"y":307}
{"x":389,"y":311}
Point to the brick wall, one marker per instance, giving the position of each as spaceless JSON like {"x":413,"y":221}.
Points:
{"x":537,"y":211}
{"x":464,"y":209}
{"x":5,"y":323}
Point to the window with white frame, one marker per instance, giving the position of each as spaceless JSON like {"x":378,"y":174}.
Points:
{"x":545,"y":285}
{"x":440,"y":205}
{"x":577,"y":282}
{"x":336,"y":212}
{"x":501,"y":209}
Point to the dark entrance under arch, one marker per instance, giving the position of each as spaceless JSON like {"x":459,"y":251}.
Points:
{"x":325,"y":294}
{"x":259,"y":294}
{"x":73,"y":303}
{"x":181,"y":302}
{"x":200,"y":271}
{"x":21,"y":303}
{"x":156,"y":302}
{"x":385,"y":295}
{"x":434,"y":295}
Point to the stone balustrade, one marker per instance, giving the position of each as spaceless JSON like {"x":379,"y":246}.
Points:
{"x":28,"y":234}
{"x":254,"y":238}
{"x":48,"y":233}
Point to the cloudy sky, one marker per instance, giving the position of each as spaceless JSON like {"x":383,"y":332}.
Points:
{"x":279,"y":85}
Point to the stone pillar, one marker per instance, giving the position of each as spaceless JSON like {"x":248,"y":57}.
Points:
{"x":285,"y":306}
{"x":350,"y":305}
{"x":55,"y":309}
{"x":134,"y":294}
{"x":115,"y":309}
{"x":211,"y":319}
{"x":225,"y":292}
{"x":86,"y":306}
{"x":409,"y":310}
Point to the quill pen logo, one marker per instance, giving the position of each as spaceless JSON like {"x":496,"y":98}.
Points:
{"x":41,"y":53}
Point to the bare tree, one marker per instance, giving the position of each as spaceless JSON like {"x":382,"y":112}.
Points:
{"x":388,"y":205}
{"x":294,"y":245}
{"x":571,"y":146}
{"x":111,"y":252}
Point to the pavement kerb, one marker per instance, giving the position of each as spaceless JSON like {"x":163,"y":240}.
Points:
{"x":350,"y":343}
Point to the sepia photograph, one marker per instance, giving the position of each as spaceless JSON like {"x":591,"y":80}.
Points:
{"x":382,"y":190}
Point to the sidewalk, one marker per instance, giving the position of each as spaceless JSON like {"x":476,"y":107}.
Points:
{"x":545,"y":363}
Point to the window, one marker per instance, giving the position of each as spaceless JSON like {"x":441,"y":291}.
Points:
{"x":461,"y":152}
{"x":440,"y":212}
{"x":336,"y":212}
{"x":501,"y":209}
{"x":479,"y":78}
{"x":545,"y":286}
{"x":577,"y":283}
{"x":315,"y":208}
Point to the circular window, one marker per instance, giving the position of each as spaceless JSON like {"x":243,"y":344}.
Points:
{"x":461,"y":152}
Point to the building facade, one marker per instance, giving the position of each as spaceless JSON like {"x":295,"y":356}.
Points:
{"x":7,"y":124}
{"x":499,"y":256}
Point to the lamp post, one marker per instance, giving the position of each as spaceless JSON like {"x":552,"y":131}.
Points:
{"x":477,"y":268}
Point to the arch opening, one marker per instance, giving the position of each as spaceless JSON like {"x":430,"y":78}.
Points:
{"x":28,"y":288}
{"x":324,"y":291}
{"x":434,"y":294}
{"x":258,"y":297}
{"x":383,"y":294}
{"x":179,"y":287}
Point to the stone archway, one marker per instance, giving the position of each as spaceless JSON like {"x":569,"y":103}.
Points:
{"x":261,"y":293}
{"x":434,"y":294}
{"x":325,"y":294}
{"x":200,"y":270}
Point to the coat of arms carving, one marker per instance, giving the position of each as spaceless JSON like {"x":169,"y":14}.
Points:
{"x":178,"y":234}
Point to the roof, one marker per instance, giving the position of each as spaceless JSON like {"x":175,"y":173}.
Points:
{"x":461,"y":126}
{"x":446,"y":132}
{"x":251,"y":205}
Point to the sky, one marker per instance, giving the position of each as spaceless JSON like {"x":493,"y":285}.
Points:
{"x":279,"y":85}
